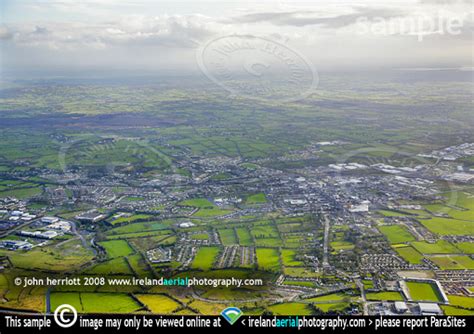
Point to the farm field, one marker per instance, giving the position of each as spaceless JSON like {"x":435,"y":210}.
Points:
{"x":409,"y":254}
{"x":465,"y":247}
{"x":341,"y":245}
{"x":288,"y":258}
{"x":139,"y":227}
{"x":453,"y":262}
{"x":290,"y":309}
{"x":332,"y":307}
{"x":117,"y":248}
{"x":451,"y":310}
{"x":334,"y":297}
{"x":53,"y":259}
{"x":300,"y":283}
{"x":116,"y":265}
{"x":268,"y":259}
{"x":228,"y":236}
{"x":396,"y":234}
{"x":205,"y":208}
{"x":205,"y":258}
{"x":130,"y":219}
{"x":256,"y":199}
{"x":388,"y":295}
{"x":461,"y":301}
{"x":158,"y":304}
{"x":86,"y":302}
{"x":440,"y":247}
{"x":448,"y":226}
{"x":244,"y":236}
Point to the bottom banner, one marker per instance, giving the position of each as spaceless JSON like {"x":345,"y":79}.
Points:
{"x":66,"y":318}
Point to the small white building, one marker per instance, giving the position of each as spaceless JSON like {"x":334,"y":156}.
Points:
{"x":49,"y":220}
{"x":430,"y":309}
{"x":401,"y":307}
{"x":186,"y":225}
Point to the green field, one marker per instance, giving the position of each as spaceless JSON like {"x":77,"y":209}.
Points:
{"x":158,"y":304}
{"x":228,"y":236}
{"x":421,"y":291}
{"x":447,"y":226}
{"x":256,"y":199}
{"x":116,"y":248}
{"x":453,"y":262}
{"x":245,"y":238}
{"x":205,"y":258}
{"x":388,"y":295}
{"x":396,"y":234}
{"x":288,"y":258}
{"x":465,"y":247}
{"x":290,"y":309}
{"x":264,"y":231}
{"x":117,"y":265}
{"x":63,"y":258}
{"x":307,"y":284}
{"x":341,"y":245}
{"x":139,"y":265}
{"x":206,"y":208}
{"x":130,"y":219}
{"x":333,"y":297}
{"x":200,"y":236}
{"x":86,"y":302}
{"x":139,"y":227}
{"x":302,"y":272}
{"x":390,"y":213}
{"x":332,"y":307}
{"x":138,"y":235}
{"x":451,"y":310}
{"x":211,"y":212}
{"x":440,"y":247}
{"x":268,"y":259}
{"x":409,"y":254}
{"x":463,"y":210}
{"x":21,"y":193}
{"x":461,"y":301}
{"x":197,"y":203}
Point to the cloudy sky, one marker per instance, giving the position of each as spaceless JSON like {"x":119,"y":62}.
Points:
{"x":155,"y":35}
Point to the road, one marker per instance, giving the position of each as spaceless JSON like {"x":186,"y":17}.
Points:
{"x":326,"y":242}
{"x":360,"y":285}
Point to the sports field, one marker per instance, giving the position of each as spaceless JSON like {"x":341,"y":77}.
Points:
{"x":421,"y":291}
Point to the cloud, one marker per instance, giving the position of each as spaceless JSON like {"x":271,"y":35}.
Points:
{"x":174,"y":31}
{"x":328,"y":35}
{"x":5,"y":33}
{"x":446,"y":2}
{"x":304,"y":18}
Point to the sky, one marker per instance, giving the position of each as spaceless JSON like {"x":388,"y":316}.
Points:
{"x":166,"y":35}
